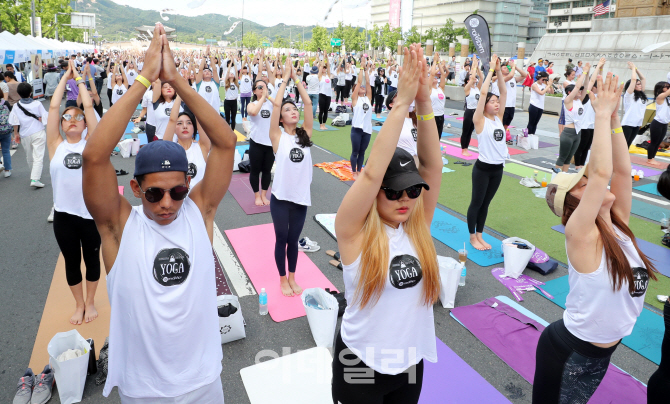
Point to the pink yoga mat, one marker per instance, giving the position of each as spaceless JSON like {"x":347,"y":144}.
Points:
{"x":121,"y":189}
{"x":643,"y":161}
{"x":255,"y":247}
{"x":456,"y":152}
{"x":240,"y":189}
{"x":475,"y":143}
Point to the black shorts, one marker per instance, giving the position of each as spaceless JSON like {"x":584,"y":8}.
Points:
{"x":508,"y":116}
{"x":451,"y":76}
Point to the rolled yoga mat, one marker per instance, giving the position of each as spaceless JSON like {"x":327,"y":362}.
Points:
{"x":513,"y":337}
{"x":255,"y":247}
{"x":240,"y":189}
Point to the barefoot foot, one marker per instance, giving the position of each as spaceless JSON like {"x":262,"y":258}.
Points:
{"x":297,"y":290}
{"x":654,"y":163}
{"x":465,"y":152}
{"x":322,"y":127}
{"x":266,"y":201}
{"x":480,"y":238}
{"x":476,"y":244}
{"x":90,"y":313}
{"x":285,"y":286}
{"x":258,"y":201}
{"x":78,"y":316}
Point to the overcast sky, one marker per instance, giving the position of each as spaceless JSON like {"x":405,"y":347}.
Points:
{"x":267,"y":12}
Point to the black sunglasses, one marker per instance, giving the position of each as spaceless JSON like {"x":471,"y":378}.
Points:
{"x":413,"y":192}
{"x":154,"y":195}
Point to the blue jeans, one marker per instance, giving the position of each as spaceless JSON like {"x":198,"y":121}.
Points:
{"x":315,"y":102}
{"x":243,"y":107}
{"x":5,"y":143}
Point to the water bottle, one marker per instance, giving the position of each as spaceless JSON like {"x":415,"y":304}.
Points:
{"x":263,"y":303}
{"x":461,"y":281}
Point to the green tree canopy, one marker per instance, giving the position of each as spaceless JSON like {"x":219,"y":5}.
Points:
{"x":251,"y":41}
{"x":320,"y":39}
{"x":15,"y":18}
{"x":413,"y":36}
{"x":280,"y":42}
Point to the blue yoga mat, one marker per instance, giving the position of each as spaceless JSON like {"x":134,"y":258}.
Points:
{"x":242,"y":148}
{"x":143,"y":138}
{"x":647,"y":333}
{"x":379,"y":118}
{"x":454,"y":123}
{"x":130,"y":127}
{"x":660,"y":255}
{"x":650,"y":188}
{"x":453,"y":232}
{"x":649,"y":211}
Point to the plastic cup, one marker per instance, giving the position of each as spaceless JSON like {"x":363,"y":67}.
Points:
{"x":463,"y":255}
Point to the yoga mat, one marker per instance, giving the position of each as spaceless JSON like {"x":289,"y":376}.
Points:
{"x":240,"y":189}
{"x":648,"y":331}
{"x":648,"y":210}
{"x":316,"y":126}
{"x":453,"y":232}
{"x":127,"y":136}
{"x":327,"y":221}
{"x":130,"y":127}
{"x":547,"y":162}
{"x":452,"y":381}
{"x":255,"y":247}
{"x":456,"y":152}
{"x":121,"y":189}
{"x":300,"y":378}
{"x":222,"y":287}
{"x":241,"y":149}
{"x":640,"y":150}
{"x":138,"y":108}
{"x":240,"y":137}
{"x":143,"y":138}
{"x":474,"y":143}
{"x":379,"y":118}
{"x":376,"y":128}
{"x":648,"y":172}
{"x":513,"y":337}
{"x":651,"y":188}
{"x":525,"y":171}
{"x":447,"y":170}
{"x":643,"y":161}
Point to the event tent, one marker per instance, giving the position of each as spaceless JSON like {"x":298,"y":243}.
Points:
{"x":18,"y":48}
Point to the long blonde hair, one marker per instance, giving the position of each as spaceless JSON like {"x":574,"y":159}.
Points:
{"x":375,"y":258}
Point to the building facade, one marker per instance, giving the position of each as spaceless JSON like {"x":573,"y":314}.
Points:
{"x":574,"y":16}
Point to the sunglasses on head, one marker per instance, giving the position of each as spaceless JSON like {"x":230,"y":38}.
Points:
{"x":413,"y":192}
{"x":154,"y":195}
{"x":68,"y":117}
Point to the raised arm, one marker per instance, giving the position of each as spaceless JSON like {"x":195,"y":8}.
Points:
{"x":253,"y":108}
{"x":215,"y":71}
{"x":271,"y":74}
{"x":198,"y":75}
{"x":275,"y":131}
{"x":54,"y":137}
{"x":94,"y":90}
{"x":368,"y":86}
{"x":621,"y":183}
{"x":157,"y":91}
{"x":478,"y":117}
{"x":578,"y":84}
{"x":594,"y":76}
{"x":502,"y":88}
{"x":524,"y":73}
{"x":307,"y":107}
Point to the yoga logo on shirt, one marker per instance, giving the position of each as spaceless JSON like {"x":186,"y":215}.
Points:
{"x":208,"y":89}
{"x":119,"y":91}
{"x":511,"y":84}
{"x":171,"y":266}
{"x":498,"y":135}
{"x":405,"y":271}
{"x":168,"y":111}
{"x":72,"y":161}
{"x":414,"y":132}
{"x":192,"y":170}
{"x":477,"y":97}
{"x":296,"y":155}
{"x":366,"y":107}
{"x":580,"y":111}
{"x":232,"y":87}
{"x":246,"y":80}
{"x":265,"y":113}
{"x":640,"y":282}
{"x":440,"y":96}
{"x":131,"y":74}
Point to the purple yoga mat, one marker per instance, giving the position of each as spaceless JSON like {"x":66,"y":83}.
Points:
{"x":452,"y":381}
{"x":241,"y":190}
{"x":519,"y":286}
{"x":648,"y":172}
{"x":513,"y":337}
{"x":542,"y":144}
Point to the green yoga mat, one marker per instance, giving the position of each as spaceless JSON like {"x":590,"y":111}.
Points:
{"x":648,"y":210}
{"x":315,"y":126}
{"x":524,"y":171}
{"x":648,"y":331}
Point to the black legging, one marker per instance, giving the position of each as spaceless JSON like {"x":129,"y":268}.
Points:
{"x":534,"y":115}
{"x":359,"y":143}
{"x":379,"y":103}
{"x":567,"y":367}
{"x":339,"y":93}
{"x":486,"y":179}
{"x":288,"y":219}
{"x":297,"y":94}
{"x":347,"y":88}
{"x":109,"y":95}
{"x":468,"y":128}
{"x":324,"y":104}
{"x":586,"y":136}
{"x":384,"y":389}
{"x":75,"y":235}
{"x":658,"y":388}
{"x":230,"y":109}
{"x":630,"y":132}
{"x":657,"y":132}
{"x":261,"y":158}
{"x":439,"y":121}
{"x":374,"y":95}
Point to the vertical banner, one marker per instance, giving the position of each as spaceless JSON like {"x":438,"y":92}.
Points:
{"x":478,"y":29}
{"x":394,"y":14}
{"x":36,"y":73}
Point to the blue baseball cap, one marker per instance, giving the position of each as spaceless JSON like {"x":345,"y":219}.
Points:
{"x":161,"y":156}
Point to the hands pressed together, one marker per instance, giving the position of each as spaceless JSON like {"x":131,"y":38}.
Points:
{"x":159,"y":61}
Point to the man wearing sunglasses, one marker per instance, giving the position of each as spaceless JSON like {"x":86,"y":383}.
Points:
{"x":164,"y":331}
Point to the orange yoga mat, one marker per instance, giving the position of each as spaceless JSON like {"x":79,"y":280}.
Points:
{"x":341,"y":169}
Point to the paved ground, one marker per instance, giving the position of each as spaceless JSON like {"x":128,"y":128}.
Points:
{"x":30,"y":252}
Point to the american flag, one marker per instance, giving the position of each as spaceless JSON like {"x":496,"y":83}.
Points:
{"x":603,"y":8}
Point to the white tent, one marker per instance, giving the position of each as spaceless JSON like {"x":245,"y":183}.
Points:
{"x":18,"y":48}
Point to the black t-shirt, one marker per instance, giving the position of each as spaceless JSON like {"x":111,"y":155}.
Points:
{"x":96,"y":107}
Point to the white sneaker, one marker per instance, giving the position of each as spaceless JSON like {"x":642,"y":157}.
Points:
{"x":640,"y":174}
{"x":308,"y":248}
{"x":529,"y":182}
{"x":8,"y":173}
{"x":662,"y":298}
{"x":307,"y":241}
{"x":51,"y":216}
{"x":448,"y":125}
{"x":36,"y":184}
{"x":633,"y":173}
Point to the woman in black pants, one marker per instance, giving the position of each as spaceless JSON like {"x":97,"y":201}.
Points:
{"x":588,"y":121}
{"x":488,"y":170}
{"x":659,"y":126}
{"x":472,"y":96}
{"x":634,"y":104}
{"x":380,"y":90}
{"x":325,"y":92}
{"x":536,"y":107}
{"x":232,"y":91}
{"x":261,"y":156}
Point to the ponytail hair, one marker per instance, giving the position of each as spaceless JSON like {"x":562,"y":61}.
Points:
{"x":568,"y":72}
{"x":300,"y":132}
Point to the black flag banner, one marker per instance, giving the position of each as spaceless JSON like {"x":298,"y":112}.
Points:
{"x":478,"y":29}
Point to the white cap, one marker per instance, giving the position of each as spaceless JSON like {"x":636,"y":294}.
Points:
{"x":262,"y":290}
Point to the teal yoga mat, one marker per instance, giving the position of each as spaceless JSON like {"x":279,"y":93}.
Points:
{"x":647,"y":333}
{"x":649,"y":211}
{"x":315,"y":126}
{"x":379,"y":118}
{"x":130,"y":127}
{"x":453,"y":232}
{"x":648,"y":188}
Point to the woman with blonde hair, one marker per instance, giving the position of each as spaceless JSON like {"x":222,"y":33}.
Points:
{"x":389,"y":261}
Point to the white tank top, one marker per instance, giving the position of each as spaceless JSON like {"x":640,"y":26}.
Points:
{"x":570,"y":82}
{"x":437,"y":99}
{"x":196,"y":163}
{"x":209,"y":90}
{"x":232,"y":92}
{"x":341,"y":77}
{"x":492,"y":144}
{"x":362,"y":115}
{"x":589,"y":119}
{"x":245,"y":84}
{"x":596,"y":313}
{"x":131,"y":75}
{"x":510,"y":102}
{"x":472,"y":99}
{"x":260,"y":124}
{"x":164,"y":338}
{"x":293,"y":175}
{"x":407,"y":139}
{"x":117,"y":92}
{"x":537,"y":99}
{"x":399,"y":330}
{"x":575,"y":115}
{"x":324,"y":86}
{"x":161,"y":116}
{"x":65,"y":170}
{"x":663,"y":111}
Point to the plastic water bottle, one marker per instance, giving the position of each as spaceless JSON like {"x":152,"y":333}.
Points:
{"x":461,"y":282}
{"x":263,"y":303}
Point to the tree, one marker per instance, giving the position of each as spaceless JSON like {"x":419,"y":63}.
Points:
{"x":412,"y":36}
{"x":320,"y":39}
{"x":448,"y":34}
{"x":251,"y":41}
{"x":15,"y":18}
{"x":390,"y":38}
{"x":376,"y":37}
{"x":280,"y":42}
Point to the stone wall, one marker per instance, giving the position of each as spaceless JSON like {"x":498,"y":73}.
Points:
{"x":631,"y":24}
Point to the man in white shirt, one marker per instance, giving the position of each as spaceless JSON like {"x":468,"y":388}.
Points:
{"x":19,"y":76}
{"x":452,"y":69}
{"x":28,"y":118}
{"x":463,"y":74}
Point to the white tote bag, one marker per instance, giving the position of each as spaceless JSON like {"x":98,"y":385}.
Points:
{"x":231,"y":327}
{"x":135,"y":147}
{"x":516,"y":259}
{"x":450,"y":273}
{"x":534,"y":142}
{"x":322,"y":323}
{"x":126,"y":146}
{"x":237,"y":160}
{"x":524,"y":142}
{"x":70,"y":374}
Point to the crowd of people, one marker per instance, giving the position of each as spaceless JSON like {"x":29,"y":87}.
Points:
{"x":383,"y":222}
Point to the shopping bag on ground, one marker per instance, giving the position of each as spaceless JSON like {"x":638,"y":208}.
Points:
{"x":450,"y":273}
{"x":524,"y":142}
{"x":517,"y":252}
{"x":231,"y":322}
{"x":70,"y":374}
{"x":534,"y":141}
{"x":247,"y":126}
{"x":135,"y":147}
{"x":126,"y":146}
{"x":321,"y":308}
{"x":237,"y":160}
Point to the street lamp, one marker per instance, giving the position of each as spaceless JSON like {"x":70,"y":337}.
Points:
{"x":420,"y":33}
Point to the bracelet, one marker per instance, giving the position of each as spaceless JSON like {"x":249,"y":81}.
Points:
{"x":426,"y":117}
{"x":143,"y":80}
{"x":491,"y":70}
{"x":78,"y":79}
{"x":617,"y":130}
{"x":584,"y":73}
